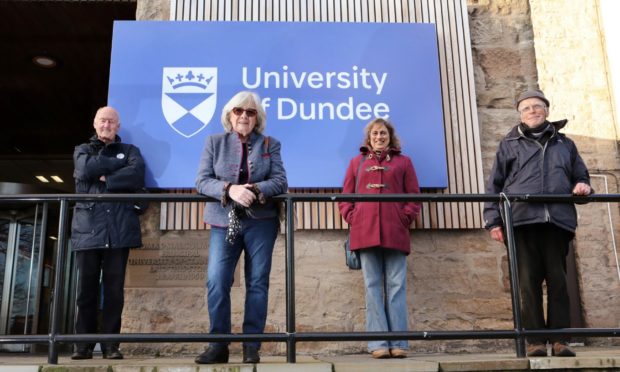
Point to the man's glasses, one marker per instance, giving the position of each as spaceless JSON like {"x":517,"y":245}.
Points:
{"x":249,"y":112}
{"x":535,"y":107}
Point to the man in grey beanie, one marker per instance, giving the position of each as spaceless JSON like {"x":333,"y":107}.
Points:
{"x":534,"y":158}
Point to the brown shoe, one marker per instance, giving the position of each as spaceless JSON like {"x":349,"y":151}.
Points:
{"x":560,"y":349}
{"x":398,"y":353}
{"x":381,"y":354}
{"x":536,"y":350}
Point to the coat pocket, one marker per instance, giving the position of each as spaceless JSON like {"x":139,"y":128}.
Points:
{"x":403,"y":218}
{"x":354,"y":212}
{"x":83,"y":218}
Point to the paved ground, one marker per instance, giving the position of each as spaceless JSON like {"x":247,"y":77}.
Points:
{"x":588,"y":359}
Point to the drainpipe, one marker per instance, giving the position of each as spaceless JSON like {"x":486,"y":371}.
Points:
{"x":611,"y":226}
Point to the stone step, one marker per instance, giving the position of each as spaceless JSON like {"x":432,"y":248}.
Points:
{"x":588,"y":359}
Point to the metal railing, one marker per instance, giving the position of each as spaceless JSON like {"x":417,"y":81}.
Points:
{"x":291,"y":336}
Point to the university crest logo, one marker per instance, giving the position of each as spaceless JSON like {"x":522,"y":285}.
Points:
{"x":188,"y":98}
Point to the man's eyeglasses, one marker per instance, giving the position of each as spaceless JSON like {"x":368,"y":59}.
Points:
{"x":249,"y":112}
{"x":535,"y":107}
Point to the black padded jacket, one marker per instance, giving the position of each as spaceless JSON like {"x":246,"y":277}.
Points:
{"x":106,"y":225}
{"x":525,"y":166}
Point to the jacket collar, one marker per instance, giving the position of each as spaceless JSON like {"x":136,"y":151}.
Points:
{"x":389,"y":153}
{"x":96,"y":141}
{"x":254,"y":136}
{"x":515,"y":132}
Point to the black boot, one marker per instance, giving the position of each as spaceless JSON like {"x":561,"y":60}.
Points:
{"x":250,"y":354}
{"x":111,"y":352}
{"x":213,"y":355}
{"x":81,"y":352}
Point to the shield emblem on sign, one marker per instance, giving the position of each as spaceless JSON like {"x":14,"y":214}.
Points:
{"x":188,"y":98}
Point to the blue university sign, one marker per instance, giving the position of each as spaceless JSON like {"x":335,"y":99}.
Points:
{"x":320,"y":84}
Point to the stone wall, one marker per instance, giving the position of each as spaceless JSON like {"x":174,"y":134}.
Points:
{"x":572,"y":69}
{"x":557,"y":47}
{"x":504,"y":64}
{"x":153,"y":10}
{"x":458,"y":280}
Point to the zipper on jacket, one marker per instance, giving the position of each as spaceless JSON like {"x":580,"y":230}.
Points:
{"x":542,"y":170}
{"x":547,"y":215}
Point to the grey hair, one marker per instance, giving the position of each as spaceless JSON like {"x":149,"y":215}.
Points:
{"x":118,"y":117}
{"x":242,"y":99}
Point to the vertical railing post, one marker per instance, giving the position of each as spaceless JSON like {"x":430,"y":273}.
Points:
{"x":290,"y":281}
{"x":52,"y":357}
{"x":514,"y":280}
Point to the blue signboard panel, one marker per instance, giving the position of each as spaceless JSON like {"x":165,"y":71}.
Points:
{"x":321,"y":83}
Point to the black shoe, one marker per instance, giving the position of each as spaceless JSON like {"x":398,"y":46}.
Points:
{"x":81,"y":353}
{"x":213,"y":355}
{"x":112,"y":352}
{"x":250,"y":354}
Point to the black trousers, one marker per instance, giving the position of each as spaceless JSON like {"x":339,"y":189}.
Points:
{"x":109,"y":265}
{"x":541,"y":255}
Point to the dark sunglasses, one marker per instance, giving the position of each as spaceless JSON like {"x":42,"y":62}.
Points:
{"x":249,"y":112}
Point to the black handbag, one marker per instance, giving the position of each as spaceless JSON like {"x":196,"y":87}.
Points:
{"x":352,"y":257}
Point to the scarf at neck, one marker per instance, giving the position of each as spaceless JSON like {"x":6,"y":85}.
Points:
{"x":541,"y":133}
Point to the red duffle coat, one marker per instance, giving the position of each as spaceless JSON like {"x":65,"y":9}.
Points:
{"x":375,"y":224}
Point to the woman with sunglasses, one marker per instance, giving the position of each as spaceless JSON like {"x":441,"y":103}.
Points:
{"x":380,"y":231}
{"x":241,"y":168}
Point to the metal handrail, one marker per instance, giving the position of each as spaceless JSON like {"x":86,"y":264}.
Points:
{"x":163,"y":197}
{"x":291,"y":337}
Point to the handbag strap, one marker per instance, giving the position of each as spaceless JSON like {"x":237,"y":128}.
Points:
{"x":357,"y":174}
{"x":357,"y":180}
{"x":266,"y":145}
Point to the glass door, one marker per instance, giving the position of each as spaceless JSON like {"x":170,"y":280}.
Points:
{"x":5,"y":227}
{"x":21,"y":253}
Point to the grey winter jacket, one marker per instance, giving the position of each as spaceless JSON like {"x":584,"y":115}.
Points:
{"x":524,"y":166}
{"x":220,"y":163}
{"x":106,"y":224}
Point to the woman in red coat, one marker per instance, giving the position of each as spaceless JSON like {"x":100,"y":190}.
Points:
{"x":380,"y":231}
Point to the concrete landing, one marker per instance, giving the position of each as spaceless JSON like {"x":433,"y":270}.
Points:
{"x":588,"y":359}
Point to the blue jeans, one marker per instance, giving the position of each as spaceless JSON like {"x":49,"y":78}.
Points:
{"x":257,"y":238}
{"x":385,"y":278}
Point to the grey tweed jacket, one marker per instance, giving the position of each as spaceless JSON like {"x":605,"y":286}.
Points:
{"x":220,"y":163}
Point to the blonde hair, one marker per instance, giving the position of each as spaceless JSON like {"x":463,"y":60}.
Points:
{"x":394,"y":140}
{"x":241,"y":99}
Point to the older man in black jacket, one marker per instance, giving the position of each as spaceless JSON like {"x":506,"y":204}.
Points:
{"x":103,"y":233}
{"x":534,"y":158}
